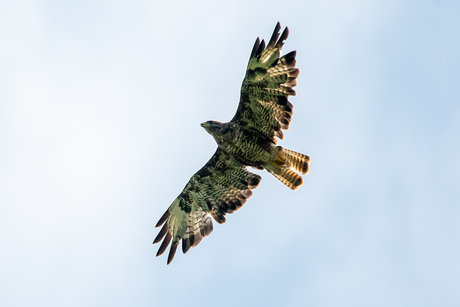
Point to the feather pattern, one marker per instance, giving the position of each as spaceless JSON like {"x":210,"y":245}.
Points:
{"x":268,"y":82}
{"x":223,"y":185}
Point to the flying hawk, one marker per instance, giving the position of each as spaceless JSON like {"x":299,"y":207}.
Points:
{"x":224,"y":184}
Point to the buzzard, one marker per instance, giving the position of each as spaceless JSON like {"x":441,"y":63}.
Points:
{"x":224,"y":184}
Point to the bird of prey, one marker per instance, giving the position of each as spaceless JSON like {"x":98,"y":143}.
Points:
{"x":224,"y":184}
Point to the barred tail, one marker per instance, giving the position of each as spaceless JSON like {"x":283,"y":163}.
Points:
{"x":295,"y":160}
{"x":284,"y":165}
{"x":290,"y":178}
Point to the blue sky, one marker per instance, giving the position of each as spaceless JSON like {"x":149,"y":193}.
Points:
{"x":100,"y":106}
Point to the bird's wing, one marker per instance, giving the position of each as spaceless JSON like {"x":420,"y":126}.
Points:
{"x":221,"y":186}
{"x":269,"y":80}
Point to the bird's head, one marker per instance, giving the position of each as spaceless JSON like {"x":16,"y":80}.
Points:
{"x":212,"y":126}
{"x":217,"y":129}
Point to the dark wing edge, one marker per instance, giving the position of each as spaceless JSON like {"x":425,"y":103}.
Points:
{"x":269,"y":80}
{"x":221,"y":186}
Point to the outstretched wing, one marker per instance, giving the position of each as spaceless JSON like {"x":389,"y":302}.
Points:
{"x":221,"y":186}
{"x":269,"y":79}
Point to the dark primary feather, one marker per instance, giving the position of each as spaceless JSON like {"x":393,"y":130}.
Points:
{"x":275,"y":35}
{"x":261,"y":47}
{"x":255,"y":48}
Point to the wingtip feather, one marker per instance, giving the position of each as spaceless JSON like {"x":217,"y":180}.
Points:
{"x":282,"y":38}
{"x":185,"y":245}
{"x":172,"y":251}
{"x":163,"y":218}
{"x":275,"y":35}
{"x":165,"y":244}
{"x":261,"y":48}
{"x":161,"y":234}
{"x":254,"y":49}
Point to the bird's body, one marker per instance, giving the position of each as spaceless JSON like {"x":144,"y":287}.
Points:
{"x":252,"y":148}
{"x":247,"y":145}
{"x":224,"y":184}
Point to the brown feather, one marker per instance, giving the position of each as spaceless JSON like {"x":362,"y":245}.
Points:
{"x":261,"y":48}
{"x":172,"y":252}
{"x":163,"y":218}
{"x":165,"y":244}
{"x":208,"y":226}
{"x":218,"y":217}
{"x":185,"y":245}
{"x":275,"y":35}
{"x":254,"y":49}
{"x":161,"y":234}
{"x":283,"y":37}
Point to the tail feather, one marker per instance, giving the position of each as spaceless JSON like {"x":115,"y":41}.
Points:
{"x":290,"y":178}
{"x":296,"y":160}
{"x":285,"y":165}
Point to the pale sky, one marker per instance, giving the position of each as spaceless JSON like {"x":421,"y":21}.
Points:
{"x":100,"y":112}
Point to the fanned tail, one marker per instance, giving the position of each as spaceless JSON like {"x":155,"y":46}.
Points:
{"x":296,"y":160}
{"x":284,"y":165}
{"x":287,"y":176}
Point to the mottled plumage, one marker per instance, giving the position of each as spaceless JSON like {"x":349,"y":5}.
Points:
{"x":224,"y":184}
